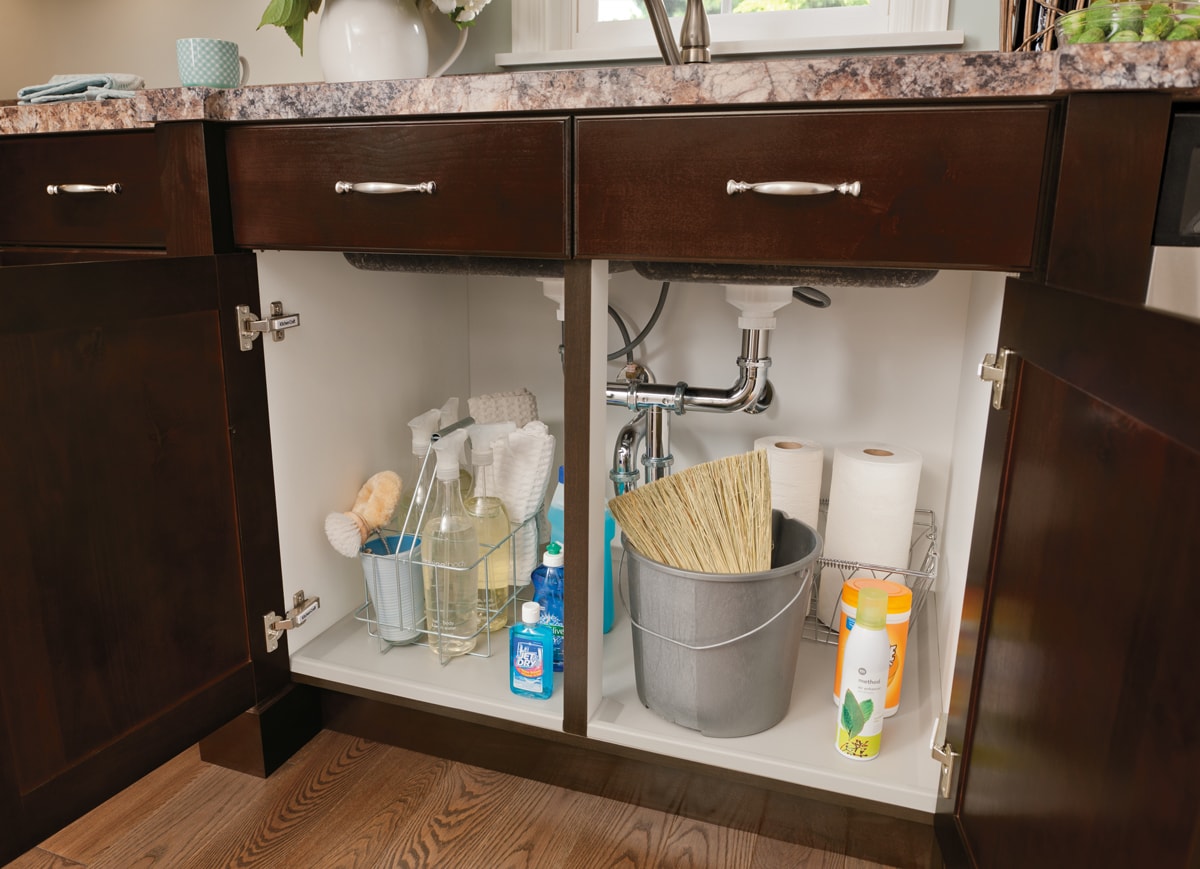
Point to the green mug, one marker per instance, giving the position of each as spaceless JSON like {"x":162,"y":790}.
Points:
{"x":213,"y":63}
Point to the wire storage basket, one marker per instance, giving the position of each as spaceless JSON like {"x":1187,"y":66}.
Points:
{"x":1028,"y":25}
{"x":395,"y":582}
{"x":394,"y":577}
{"x":918,"y":576}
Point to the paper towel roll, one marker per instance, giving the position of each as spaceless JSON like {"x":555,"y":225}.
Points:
{"x":796,"y":465}
{"x":872,"y":498}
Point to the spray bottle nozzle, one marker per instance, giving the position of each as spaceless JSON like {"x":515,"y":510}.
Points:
{"x":483,"y":435}
{"x":423,"y":428}
{"x":447,"y":448}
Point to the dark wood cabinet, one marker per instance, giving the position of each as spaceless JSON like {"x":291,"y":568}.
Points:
{"x":128,"y":526}
{"x":1069,"y":708}
{"x":1080,"y":745}
{"x":489,"y":187}
{"x":105,"y":187}
{"x":142,"y":548}
{"x":953,"y":187}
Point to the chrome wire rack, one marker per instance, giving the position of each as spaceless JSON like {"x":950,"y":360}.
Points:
{"x":918,"y":576}
{"x":394,"y":582}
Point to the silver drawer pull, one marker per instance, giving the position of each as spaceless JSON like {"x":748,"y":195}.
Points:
{"x":56,"y":189}
{"x":383,"y":187}
{"x":792,"y":188}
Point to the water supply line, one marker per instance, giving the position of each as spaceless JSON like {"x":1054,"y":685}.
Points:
{"x":650,"y":401}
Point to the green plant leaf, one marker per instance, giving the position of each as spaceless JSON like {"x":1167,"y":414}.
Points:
{"x":867,"y":707}
{"x":853,"y":719}
{"x":279,"y":13}
{"x":290,"y":15}
{"x":296,"y":32}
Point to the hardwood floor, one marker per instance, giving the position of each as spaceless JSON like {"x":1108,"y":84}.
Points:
{"x":343,"y":801}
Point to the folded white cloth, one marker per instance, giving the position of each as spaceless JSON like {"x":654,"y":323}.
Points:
{"x":79,"y":87}
{"x":523,"y":460}
{"x":519,"y":406}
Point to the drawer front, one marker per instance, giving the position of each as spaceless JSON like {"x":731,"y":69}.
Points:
{"x":29,"y":215}
{"x":954,"y":188}
{"x":498,"y":187}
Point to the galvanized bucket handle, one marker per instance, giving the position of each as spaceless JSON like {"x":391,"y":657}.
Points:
{"x":624,"y":603}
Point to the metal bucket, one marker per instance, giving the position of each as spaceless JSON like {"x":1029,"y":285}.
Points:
{"x":395,"y":587}
{"x":716,"y":652}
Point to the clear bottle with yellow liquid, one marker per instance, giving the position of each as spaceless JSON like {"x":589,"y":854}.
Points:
{"x":495,"y":574}
{"x":450,"y":551}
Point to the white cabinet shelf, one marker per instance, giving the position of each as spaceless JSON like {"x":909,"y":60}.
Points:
{"x":346,"y":654}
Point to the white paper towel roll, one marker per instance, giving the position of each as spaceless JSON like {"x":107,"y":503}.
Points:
{"x":872,"y":498}
{"x":796,"y":465}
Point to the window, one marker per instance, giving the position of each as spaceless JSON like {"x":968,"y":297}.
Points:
{"x":617,"y":23}
{"x":550,"y":31}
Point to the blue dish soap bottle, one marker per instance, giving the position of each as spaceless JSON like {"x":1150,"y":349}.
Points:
{"x":531,"y":655}
{"x":547,"y":582}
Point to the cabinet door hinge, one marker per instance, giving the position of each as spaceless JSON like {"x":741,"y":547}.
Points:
{"x":994,"y":369}
{"x":302,"y":608}
{"x":944,"y":754}
{"x":250,"y":326}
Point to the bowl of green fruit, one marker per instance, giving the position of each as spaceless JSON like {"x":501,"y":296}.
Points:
{"x":1105,"y":21}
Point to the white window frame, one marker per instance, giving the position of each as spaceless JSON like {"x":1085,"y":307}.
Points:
{"x":589,"y":33}
{"x":544,"y":33}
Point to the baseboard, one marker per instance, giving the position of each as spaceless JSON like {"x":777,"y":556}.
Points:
{"x":261,"y":739}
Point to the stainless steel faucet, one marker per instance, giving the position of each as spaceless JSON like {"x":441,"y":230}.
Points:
{"x":693,"y":38}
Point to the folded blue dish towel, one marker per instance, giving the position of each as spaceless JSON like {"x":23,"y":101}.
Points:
{"x":80,"y":87}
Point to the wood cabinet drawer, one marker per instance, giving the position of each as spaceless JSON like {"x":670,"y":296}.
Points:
{"x":498,"y":187}
{"x":30,"y":215}
{"x":953,"y":187}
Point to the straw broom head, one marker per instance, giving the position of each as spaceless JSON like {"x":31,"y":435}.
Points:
{"x":711,"y":518}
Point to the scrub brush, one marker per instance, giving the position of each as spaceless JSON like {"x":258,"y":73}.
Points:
{"x":373,"y":508}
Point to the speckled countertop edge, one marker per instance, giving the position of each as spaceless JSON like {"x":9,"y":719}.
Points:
{"x":1173,"y":67}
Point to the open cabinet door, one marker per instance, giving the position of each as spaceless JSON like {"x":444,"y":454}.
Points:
{"x":1077,"y":707}
{"x":136,"y":492}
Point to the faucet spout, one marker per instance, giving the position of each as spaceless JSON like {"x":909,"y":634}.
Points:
{"x":694,"y":39}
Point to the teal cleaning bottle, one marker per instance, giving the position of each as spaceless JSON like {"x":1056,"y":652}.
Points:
{"x":610,"y":531}
{"x":556,"y":514}
{"x":547,"y":582}
{"x":557,"y":508}
{"x":531,"y":655}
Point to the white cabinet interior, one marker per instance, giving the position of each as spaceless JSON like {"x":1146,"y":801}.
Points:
{"x":377,"y":348}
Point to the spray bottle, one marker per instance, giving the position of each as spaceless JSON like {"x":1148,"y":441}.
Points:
{"x":419,"y":480}
{"x":450,"y":550}
{"x":864,"y":678}
{"x":493,"y":527}
{"x":448,"y":416}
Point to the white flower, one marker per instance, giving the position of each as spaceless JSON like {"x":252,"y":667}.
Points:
{"x":470,"y":8}
{"x":446,"y":6}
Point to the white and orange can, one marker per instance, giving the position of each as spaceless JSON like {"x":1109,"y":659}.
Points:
{"x":898,"y":611}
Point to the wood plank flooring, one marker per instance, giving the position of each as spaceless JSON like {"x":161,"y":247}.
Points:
{"x":343,"y":801}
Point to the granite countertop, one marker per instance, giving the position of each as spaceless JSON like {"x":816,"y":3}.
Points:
{"x":1167,"y":66}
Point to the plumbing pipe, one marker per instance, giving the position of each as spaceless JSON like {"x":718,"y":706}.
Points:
{"x":749,"y":390}
{"x":752,"y":392}
{"x":624,"y":474}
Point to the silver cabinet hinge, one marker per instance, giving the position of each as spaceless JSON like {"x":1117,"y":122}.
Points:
{"x":250,"y":326}
{"x":944,"y":754}
{"x":994,"y":369}
{"x":302,"y":608}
